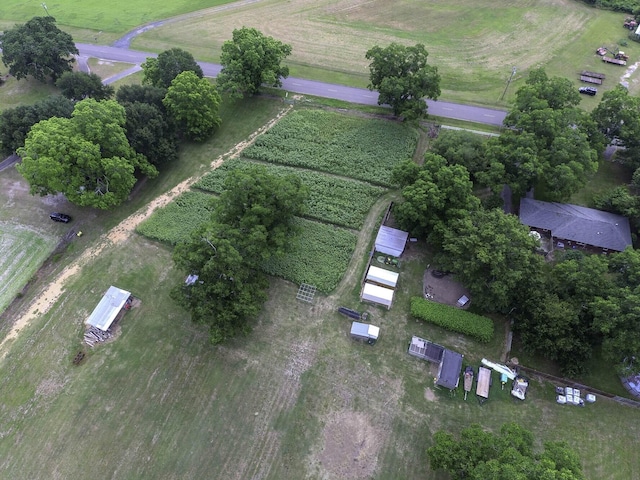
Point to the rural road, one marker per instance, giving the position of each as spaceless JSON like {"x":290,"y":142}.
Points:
{"x":487,"y":116}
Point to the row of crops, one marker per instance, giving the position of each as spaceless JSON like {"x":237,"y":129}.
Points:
{"x":332,"y":199}
{"x":346,"y":163}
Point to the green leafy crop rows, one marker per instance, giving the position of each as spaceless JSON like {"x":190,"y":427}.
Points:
{"x":331,"y":199}
{"x":175,"y":222}
{"x":319,"y":256}
{"x":453,"y":319}
{"x":358,"y":148}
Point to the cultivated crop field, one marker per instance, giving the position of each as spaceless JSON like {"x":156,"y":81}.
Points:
{"x":22,"y":251}
{"x":327,"y":151}
{"x":337,"y":200}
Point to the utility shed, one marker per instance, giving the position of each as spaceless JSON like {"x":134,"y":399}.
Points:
{"x":449,"y":371}
{"x":377,"y":294}
{"x":421,"y":348}
{"x":382,"y":277}
{"x":108,"y":308}
{"x":391,"y":241}
{"x":364,"y":331}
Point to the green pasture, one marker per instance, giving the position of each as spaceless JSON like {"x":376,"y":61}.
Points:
{"x":22,"y":251}
{"x":118,"y":16}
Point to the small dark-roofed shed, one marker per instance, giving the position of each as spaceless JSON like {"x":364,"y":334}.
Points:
{"x":449,"y":371}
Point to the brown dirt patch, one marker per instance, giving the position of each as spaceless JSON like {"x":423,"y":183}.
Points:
{"x":429,"y":395}
{"x":351,"y":446}
{"x":443,"y":290}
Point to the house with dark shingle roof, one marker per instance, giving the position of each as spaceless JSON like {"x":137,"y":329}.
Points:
{"x":573,"y":226}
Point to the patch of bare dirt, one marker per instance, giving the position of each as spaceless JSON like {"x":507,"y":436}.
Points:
{"x":429,"y":395}
{"x":351,"y":446}
{"x":443,"y":290}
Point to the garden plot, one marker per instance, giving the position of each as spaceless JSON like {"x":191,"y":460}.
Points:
{"x":22,"y":252}
{"x":332,"y":199}
{"x":353,"y":147}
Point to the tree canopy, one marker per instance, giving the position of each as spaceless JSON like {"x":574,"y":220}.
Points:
{"x":461,"y":147}
{"x":508,"y":455}
{"x":491,"y":253}
{"x":149,"y":133}
{"x":87,"y":157}
{"x":251,"y":222}
{"x":193,"y":103}
{"x":80,"y":85}
{"x":552,"y":144}
{"x":403,"y":78}
{"x":15,"y":123}
{"x":161,"y":71}
{"x":433,"y":195}
{"x":38,"y":48}
{"x":249,"y":60}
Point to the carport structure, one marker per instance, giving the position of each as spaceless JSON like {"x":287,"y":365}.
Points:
{"x":107,"y":310}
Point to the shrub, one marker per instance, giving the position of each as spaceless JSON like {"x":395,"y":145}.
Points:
{"x":453,"y":319}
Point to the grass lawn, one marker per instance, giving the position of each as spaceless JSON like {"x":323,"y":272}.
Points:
{"x":114,"y":16}
{"x":22,"y":251}
{"x":609,"y":176}
{"x":474,"y":44}
{"x":14,"y":93}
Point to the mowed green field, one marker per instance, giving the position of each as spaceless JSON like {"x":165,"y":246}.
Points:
{"x":22,"y":251}
{"x":116,"y":16}
{"x":475,"y":44}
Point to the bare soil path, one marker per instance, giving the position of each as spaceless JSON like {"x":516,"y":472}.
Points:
{"x":55,"y":288}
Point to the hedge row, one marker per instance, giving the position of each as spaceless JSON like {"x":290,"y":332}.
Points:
{"x":453,"y":319}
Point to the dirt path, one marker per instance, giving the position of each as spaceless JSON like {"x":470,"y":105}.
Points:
{"x":52,"y":292}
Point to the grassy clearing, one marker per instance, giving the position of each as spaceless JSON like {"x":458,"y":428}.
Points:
{"x":22,"y":251}
{"x":474,"y":44}
{"x":115,"y":16}
{"x":14,"y":92}
{"x":105,"y":69}
{"x":609,"y":176}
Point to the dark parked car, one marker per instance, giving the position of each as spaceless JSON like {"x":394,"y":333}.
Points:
{"x":588,"y":90}
{"x":60,"y":217}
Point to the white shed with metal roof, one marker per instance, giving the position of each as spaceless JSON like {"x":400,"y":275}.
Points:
{"x":108,"y":308}
{"x":382,"y":277}
{"x":377,"y":294}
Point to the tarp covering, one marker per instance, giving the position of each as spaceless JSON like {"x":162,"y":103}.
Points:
{"x":391,"y":241}
{"x":377,"y":294}
{"x":382,"y":277}
{"x":108,"y":308}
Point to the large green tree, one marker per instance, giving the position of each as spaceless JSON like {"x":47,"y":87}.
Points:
{"x":15,"y":123}
{"x":433,"y":195}
{"x":38,"y":48}
{"x":403,"y":78}
{"x":149,"y":132}
{"x":491,"y":253}
{"x":161,"y":71}
{"x":461,"y":147}
{"x":250,"y":60}
{"x":508,"y":455}
{"x":87,"y":157}
{"x":80,"y":85}
{"x":552,"y":144}
{"x":193,"y":103}
{"x":251,"y":222}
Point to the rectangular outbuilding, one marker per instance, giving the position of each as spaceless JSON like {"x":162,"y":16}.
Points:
{"x":377,"y":294}
{"x":108,"y":308}
{"x":382,"y":277}
{"x":364,"y":331}
{"x":391,"y":241}
{"x":449,"y":371}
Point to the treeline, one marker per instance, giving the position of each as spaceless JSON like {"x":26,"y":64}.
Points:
{"x":628,"y":6}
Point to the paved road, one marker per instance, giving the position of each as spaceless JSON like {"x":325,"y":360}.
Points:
{"x":457,"y":111}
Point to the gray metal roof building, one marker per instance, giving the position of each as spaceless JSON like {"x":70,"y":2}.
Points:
{"x":108,"y":308}
{"x":449,"y":372}
{"x":577,"y":224}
